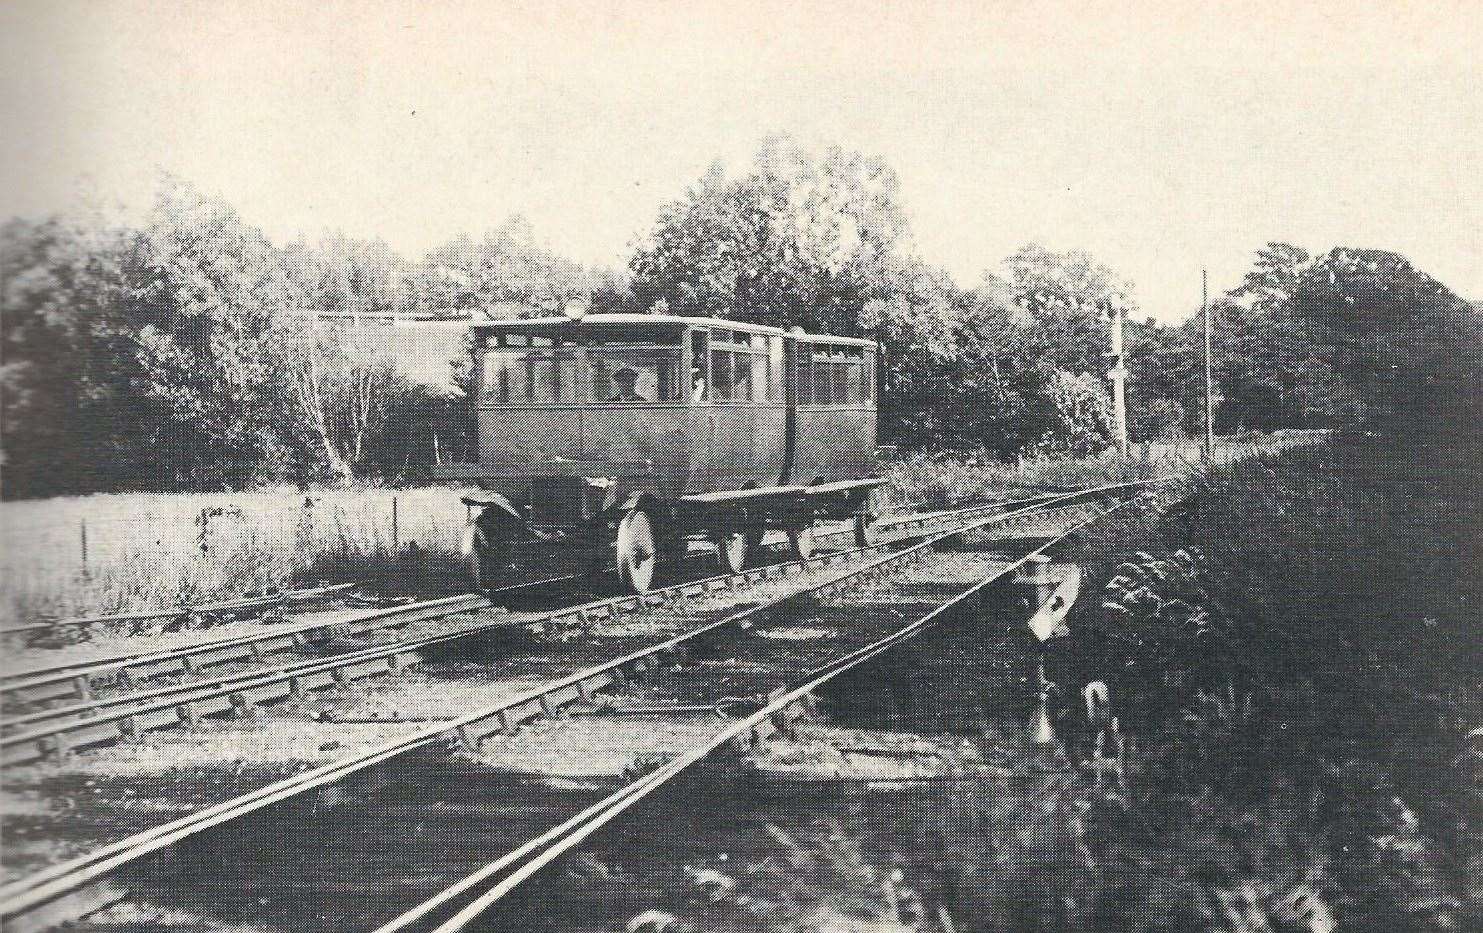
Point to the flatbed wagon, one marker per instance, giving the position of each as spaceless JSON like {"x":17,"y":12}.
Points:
{"x":629,"y":435}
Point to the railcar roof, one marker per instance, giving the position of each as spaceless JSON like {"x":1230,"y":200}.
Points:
{"x":561,"y":320}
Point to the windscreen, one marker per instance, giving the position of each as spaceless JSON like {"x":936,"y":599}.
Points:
{"x":628,"y":364}
{"x":634,"y":374}
{"x":532,"y":376}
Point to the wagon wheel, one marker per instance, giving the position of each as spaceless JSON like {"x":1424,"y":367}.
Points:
{"x":864,"y":530}
{"x":735,"y":548}
{"x":636,"y":552}
{"x":801,"y":542}
{"x":486,"y":553}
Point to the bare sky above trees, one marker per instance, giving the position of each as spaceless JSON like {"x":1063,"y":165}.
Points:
{"x":1156,"y":137}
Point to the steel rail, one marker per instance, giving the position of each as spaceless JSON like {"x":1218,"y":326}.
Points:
{"x":77,"y":680}
{"x":231,"y":605}
{"x":511,"y":869}
{"x":74,"y":888}
{"x":63,"y":730}
{"x":80,"y":678}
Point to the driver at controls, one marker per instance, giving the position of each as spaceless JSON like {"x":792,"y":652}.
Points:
{"x":626,"y":379}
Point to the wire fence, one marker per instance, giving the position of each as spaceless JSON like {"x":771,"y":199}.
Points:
{"x":139,"y":551}
{"x":142,"y":551}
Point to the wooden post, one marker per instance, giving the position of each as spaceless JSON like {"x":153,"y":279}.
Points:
{"x":1209,"y":380}
{"x":1119,"y":376}
{"x":396,"y":536}
{"x":82,"y":533}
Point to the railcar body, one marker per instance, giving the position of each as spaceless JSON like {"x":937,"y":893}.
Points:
{"x":630,"y":434}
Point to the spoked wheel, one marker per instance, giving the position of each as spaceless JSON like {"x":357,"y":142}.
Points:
{"x":801,"y":543}
{"x":486,"y":553}
{"x":636,"y":552}
{"x":864,"y":531}
{"x":734,"y":549}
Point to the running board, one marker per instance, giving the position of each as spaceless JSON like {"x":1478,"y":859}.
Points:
{"x":770,"y":492}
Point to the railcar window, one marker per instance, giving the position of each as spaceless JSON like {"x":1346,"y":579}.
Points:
{"x":775,"y":368}
{"x":825,"y":381}
{"x":867,"y":378}
{"x":805,"y":376}
{"x":545,"y":383}
{"x":829,"y":376}
{"x":741,"y":377}
{"x":504,"y":376}
{"x":624,"y":374}
{"x":721,"y":377}
{"x":522,"y":376}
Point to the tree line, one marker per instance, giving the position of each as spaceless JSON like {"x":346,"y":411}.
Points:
{"x":187,"y":351}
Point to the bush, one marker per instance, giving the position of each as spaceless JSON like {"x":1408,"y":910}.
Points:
{"x":1162,"y":419}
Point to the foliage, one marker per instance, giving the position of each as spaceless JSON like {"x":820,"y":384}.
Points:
{"x":796,"y":240}
{"x":207,"y":308}
{"x":970,"y":371}
{"x":1282,"y":664}
{"x":504,"y":269}
{"x":1067,"y":297}
{"x":68,"y":366}
{"x":173,"y":354}
{"x":178,"y":354}
{"x":1405,"y":345}
{"x":1316,"y":341}
{"x":1160,"y":419}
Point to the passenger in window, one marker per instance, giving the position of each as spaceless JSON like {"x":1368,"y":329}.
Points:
{"x":626,"y":380}
{"x":697,"y":385}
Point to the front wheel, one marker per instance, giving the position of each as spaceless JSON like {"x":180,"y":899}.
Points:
{"x":636,"y":551}
{"x":734,"y":549}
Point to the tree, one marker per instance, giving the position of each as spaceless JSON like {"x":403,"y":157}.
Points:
{"x":1065,"y":296}
{"x":963,"y":372}
{"x":1270,"y":284}
{"x":345,"y":392}
{"x":1402,"y":343}
{"x":181,"y":354}
{"x":797,"y":240}
{"x":209,"y":310}
{"x":60,"y":304}
{"x":474,"y":278}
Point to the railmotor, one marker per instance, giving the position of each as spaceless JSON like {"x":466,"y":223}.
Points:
{"x":629,"y":435}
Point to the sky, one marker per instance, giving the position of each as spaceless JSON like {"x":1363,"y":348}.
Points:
{"x":1161,"y":138}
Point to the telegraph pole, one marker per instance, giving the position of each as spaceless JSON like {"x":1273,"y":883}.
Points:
{"x":1209,"y":381}
{"x":1119,"y":375}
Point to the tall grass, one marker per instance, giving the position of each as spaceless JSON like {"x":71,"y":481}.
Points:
{"x":149,"y":551}
{"x":943,"y":480}
{"x":1292,"y":646}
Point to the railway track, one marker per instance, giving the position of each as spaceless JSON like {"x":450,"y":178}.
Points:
{"x":91,"y":721}
{"x":74,"y":888}
{"x":77,"y":680}
{"x":245,"y":604}
{"x":465,"y":903}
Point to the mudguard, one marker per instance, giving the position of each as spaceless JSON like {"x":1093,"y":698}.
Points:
{"x":492,"y":500}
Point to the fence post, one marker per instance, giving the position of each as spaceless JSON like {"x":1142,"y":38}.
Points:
{"x":82,"y":534}
{"x":396,"y":537}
